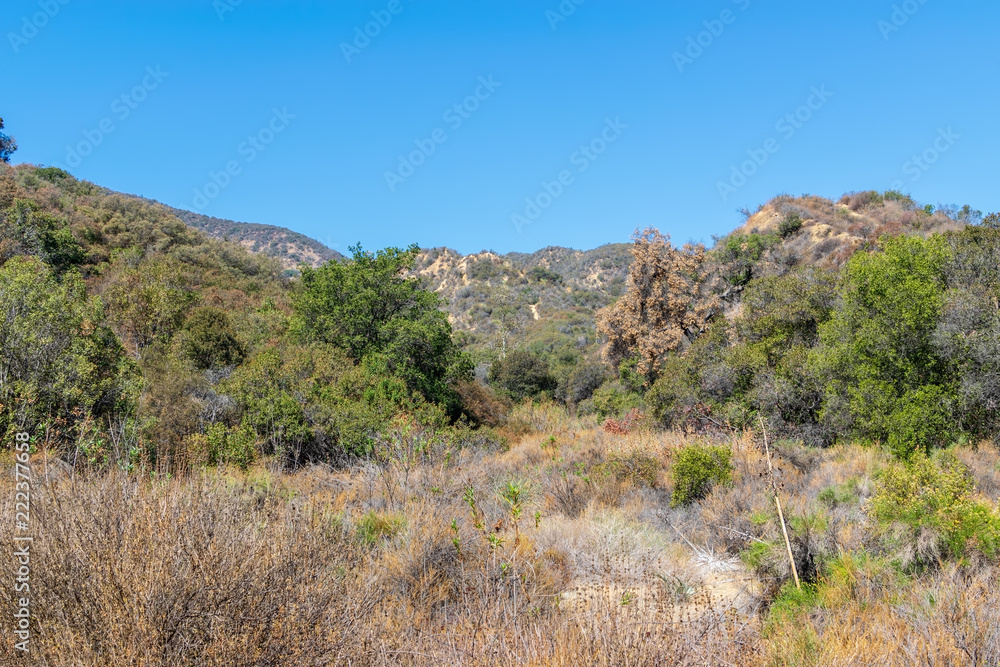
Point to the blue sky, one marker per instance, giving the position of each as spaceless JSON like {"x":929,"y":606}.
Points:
{"x":576,"y":124}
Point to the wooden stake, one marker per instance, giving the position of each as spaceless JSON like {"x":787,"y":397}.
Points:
{"x":781,"y":516}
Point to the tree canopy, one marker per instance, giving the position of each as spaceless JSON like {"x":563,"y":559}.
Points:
{"x":369,"y":307}
{"x":7,"y":145}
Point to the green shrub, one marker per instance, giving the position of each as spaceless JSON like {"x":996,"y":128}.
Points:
{"x":234,"y":446}
{"x":522,"y":374}
{"x":759,"y":554}
{"x":540,"y":274}
{"x":926,"y":510}
{"x":696,"y":468}
{"x":790,"y":603}
{"x":613,"y":400}
{"x":791,"y":224}
{"x":209,"y":339}
{"x":924,"y":418}
{"x":739,"y":254}
{"x":677,"y":391}
{"x":374,"y":527}
{"x":846,"y":493}
{"x":52,"y":174}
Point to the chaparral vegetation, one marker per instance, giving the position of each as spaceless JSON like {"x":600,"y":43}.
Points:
{"x":412,"y":457}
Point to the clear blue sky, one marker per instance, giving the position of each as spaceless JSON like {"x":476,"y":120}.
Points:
{"x":222,"y":74}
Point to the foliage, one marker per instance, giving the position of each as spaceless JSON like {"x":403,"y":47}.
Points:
{"x":541,"y":274}
{"x":231,"y":445}
{"x":368,"y":307}
{"x":375,"y":527}
{"x":613,"y":400}
{"x":582,"y":382}
{"x":696,"y":468}
{"x":861,"y":200}
{"x":59,"y":364}
{"x":311,"y":403}
{"x":926,"y":510}
{"x":624,"y":425}
{"x":480,"y":404}
{"x":845,"y":493}
{"x":209,"y":339}
{"x":738,"y":255}
{"x":635,"y":467}
{"x":7,"y":145}
{"x":790,"y":225}
{"x":967,"y":336}
{"x":522,"y":374}
{"x":877,"y":357}
{"x":28,"y":231}
{"x":146,"y":300}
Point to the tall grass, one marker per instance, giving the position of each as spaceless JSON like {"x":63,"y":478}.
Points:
{"x":562,"y":549}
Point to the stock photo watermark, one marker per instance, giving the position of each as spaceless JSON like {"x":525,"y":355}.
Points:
{"x":363,"y":35}
{"x":455,"y":116}
{"x":582,"y":159}
{"x":900,"y":16}
{"x":248,"y":150}
{"x":22,"y":541}
{"x":920,"y":164}
{"x":223,"y":7}
{"x":787,"y":127}
{"x":121,"y":108}
{"x":697,"y":44}
{"x":31,"y":25}
{"x":562,"y":13}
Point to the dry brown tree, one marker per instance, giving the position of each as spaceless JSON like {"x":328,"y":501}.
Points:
{"x":663,"y":309}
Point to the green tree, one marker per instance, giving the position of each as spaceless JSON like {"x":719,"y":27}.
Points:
{"x":522,"y":374}
{"x":767,"y":362}
{"x":146,"y":297}
{"x":28,"y":231}
{"x":968,"y":332}
{"x":7,"y":145}
{"x":209,"y":339}
{"x":368,"y":307}
{"x":58,"y":364}
{"x":739,"y":254}
{"x":877,"y":356}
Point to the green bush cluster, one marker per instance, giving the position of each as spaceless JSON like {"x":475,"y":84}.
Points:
{"x":791,"y":224}
{"x":926,"y":509}
{"x":613,"y":400}
{"x":522,"y":374}
{"x":895,"y":348}
{"x":115,"y":314}
{"x":230,"y":446}
{"x":696,"y":468}
{"x":376,"y":527}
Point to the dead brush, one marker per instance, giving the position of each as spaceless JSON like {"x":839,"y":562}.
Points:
{"x":187,"y":573}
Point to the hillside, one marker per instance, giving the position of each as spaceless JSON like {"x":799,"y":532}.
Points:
{"x":318,"y":448}
{"x":817,"y":231}
{"x":288,"y":247}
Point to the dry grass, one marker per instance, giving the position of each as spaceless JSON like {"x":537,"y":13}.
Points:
{"x":439,"y":562}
